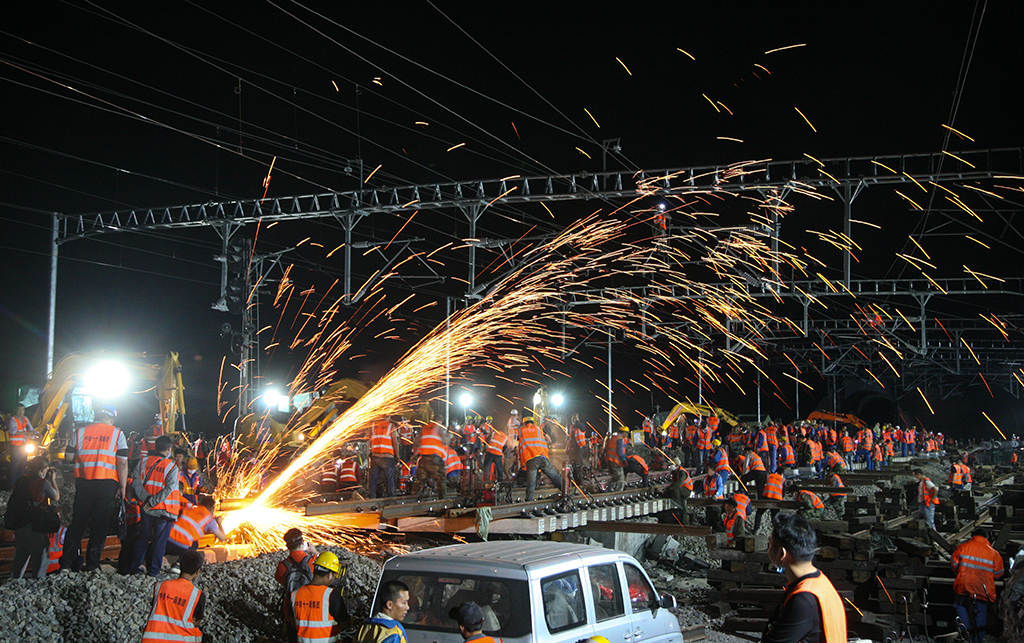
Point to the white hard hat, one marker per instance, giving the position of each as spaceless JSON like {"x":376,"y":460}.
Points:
{"x":514,"y":412}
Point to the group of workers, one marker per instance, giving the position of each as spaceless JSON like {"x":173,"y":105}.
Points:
{"x":154,"y":503}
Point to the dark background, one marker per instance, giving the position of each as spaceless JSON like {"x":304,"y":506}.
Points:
{"x":874,"y":78}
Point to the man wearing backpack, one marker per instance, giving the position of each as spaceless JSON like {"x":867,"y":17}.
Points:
{"x":294,"y":572}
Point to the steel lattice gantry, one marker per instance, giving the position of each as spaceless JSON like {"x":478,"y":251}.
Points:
{"x":845,"y":177}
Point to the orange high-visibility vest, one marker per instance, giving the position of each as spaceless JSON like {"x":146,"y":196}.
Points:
{"x":713,"y":422}
{"x":155,"y":482}
{"x":20,"y":436}
{"x":96,"y":452}
{"x":722,"y":464}
{"x":711,"y":488}
{"x":773,"y":435}
{"x":773,"y":486}
{"x":837,"y":482}
{"x":611,"y":450}
{"x":687,"y":480}
{"x":816,"y":502}
{"x":640,"y":461}
{"x":742,"y":502}
{"x":833,"y":459}
{"x":452,"y":462}
{"x":348,"y":471}
{"x":532,"y":442}
{"x":55,"y":550}
{"x":956,"y":476}
{"x":311,"y":605}
{"x":704,"y":437}
{"x":730,"y":525}
{"x":977,"y":567}
{"x":431,"y":442}
{"x":847,"y":444}
{"x":648,"y":425}
{"x":787,"y":455}
{"x":329,"y":474}
{"x":380,"y":439}
{"x":833,"y":615}
{"x":581,"y":437}
{"x":170,"y":620}
{"x":926,"y":496}
{"x":190,"y":525}
{"x":496,"y":445}
{"x":753,"y":463}
{"x":966,"y":471}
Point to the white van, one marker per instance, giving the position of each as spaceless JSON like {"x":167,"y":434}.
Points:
{"x":532,"y":591}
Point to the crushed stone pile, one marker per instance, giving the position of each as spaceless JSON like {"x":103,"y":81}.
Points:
{"x":243,"y":602}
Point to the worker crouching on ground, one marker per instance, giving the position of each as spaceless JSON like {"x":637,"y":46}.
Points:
{"x":837,"y":498}
{"x":386,"y":625}
{"x":177,"y":605}
{"x":190,"y":527}
{"x":680,"y":490}
{"x":733,"y":520}
{"x":636,"y":464}
{"x":811,"y":609}
{"x":977,"y":566}
{"x":812,"y":507}
{"x":470,"y":619}
{"x":319,"y":608}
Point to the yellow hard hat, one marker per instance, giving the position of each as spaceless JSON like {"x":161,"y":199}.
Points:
{"x":329,"y":561}
{"x":717,"y":443}
{"x":599,"y":639}
{"x":193,"y":463}
{"x":624,"y":429}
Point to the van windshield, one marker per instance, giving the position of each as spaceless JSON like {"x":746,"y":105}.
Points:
{"x":433,"y":595}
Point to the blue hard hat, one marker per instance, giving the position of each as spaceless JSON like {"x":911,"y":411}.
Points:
{"x":106,"y":409}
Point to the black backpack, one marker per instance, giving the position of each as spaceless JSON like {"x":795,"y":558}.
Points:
{"x":298,"y":574}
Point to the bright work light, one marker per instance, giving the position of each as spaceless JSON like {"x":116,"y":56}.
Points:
{"x":465,"y":399}
{"x":107,"y":379}
{"x":557,"y":399}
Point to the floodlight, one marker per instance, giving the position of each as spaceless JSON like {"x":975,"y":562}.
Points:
{"x":557,"y":400}
{"x":107,"y":379}
{"x":275,"y":400}
{"x":465,"y":399}
{"x":662,"y":206}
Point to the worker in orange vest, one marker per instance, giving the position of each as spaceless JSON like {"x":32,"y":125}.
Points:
{"x":733,"y":519}
{"x":430,"y":453}
{"x":177,"y":605}
{"x":494,"y":458}
{"x":383,"y":453}
{"x":977,"y":566}
{"x":927,"y":497}
{"x":533,"y":456}
{"x":811,"y":609}
{"x":155,"y":485}
{"x":100,"y":454}
{"x":19,"y":431}
{"x":319,"y":609}
{"x":812,"y":505}
{"x":773,"y":489}
{"x":191,"y":525}
{"x":470,"y":619}
{"x":636,"y":464}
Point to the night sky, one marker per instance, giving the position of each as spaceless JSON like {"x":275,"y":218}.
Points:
{"x":117,"y":105}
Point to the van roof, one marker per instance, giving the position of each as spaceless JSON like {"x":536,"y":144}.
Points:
{"x":520,"y":554}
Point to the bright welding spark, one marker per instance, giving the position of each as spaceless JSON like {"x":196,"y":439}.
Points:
{"x":683,"y":51}
{"x":806,"y":120}
{"x":624,"y":65}
{"x":958,"y":133}
{"x":370,"y":176}
{"x":993,"y":424}
{"x":927,"y":403}
{"x":454,"y":147}
{"x":777,"y":49}
{"x":335,"y":86}
{"x":962,"y":160}
{"x":591,"y":118}
{"x":581,"y":151}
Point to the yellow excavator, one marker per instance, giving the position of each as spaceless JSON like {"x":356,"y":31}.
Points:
{"x":80,"y":376}
{"x":698,"y":409}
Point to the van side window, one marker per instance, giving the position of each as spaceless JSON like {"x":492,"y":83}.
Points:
{"x":641,"y":594}
{"x":607,"y":591}
{"x":564,"y":608}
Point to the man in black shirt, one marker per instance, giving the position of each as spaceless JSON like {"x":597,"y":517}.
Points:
{"x":811,"y":610}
